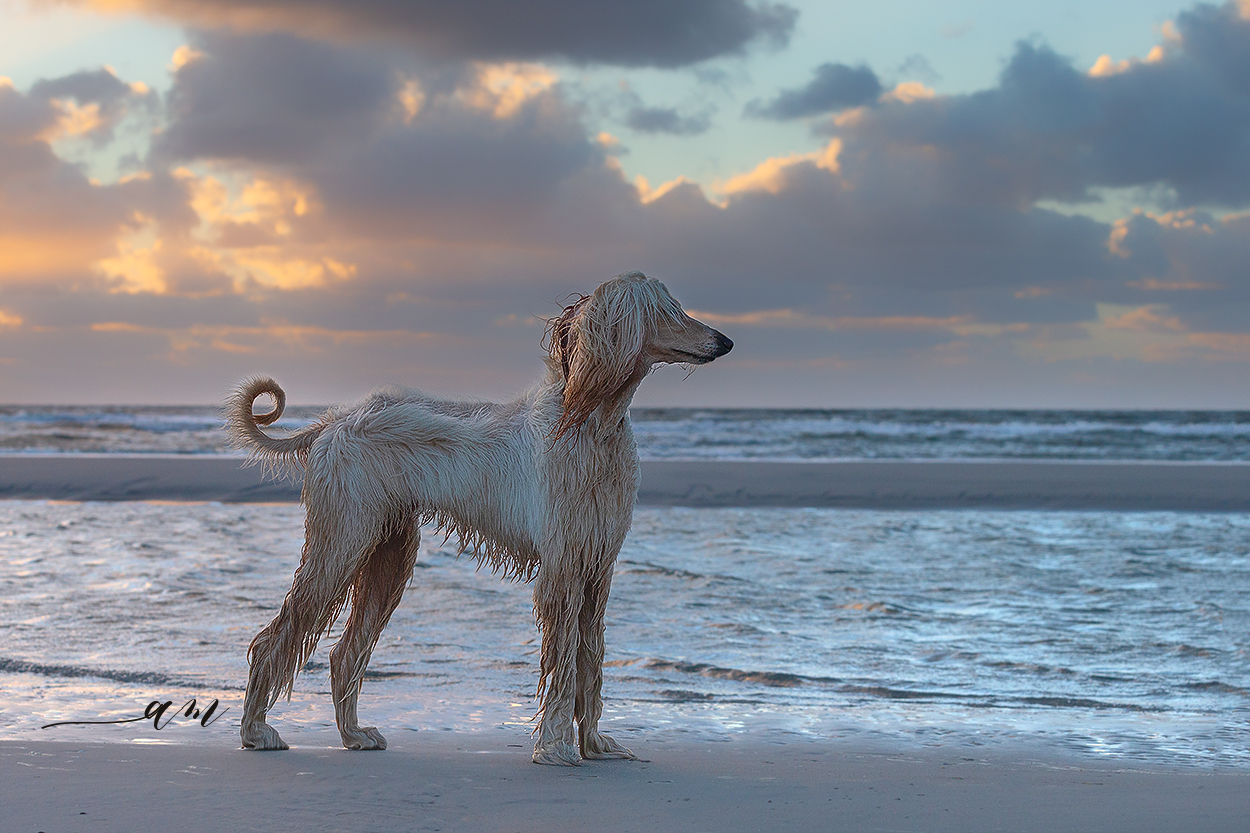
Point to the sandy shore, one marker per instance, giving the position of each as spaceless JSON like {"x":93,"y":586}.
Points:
{"x":1199,"y":487}
{"x":484,"y":782}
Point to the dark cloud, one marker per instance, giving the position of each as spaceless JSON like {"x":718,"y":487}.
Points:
{"x":1195,"y":264}
{"x":23,"y":118}
{"x":1219,"y":38}
{"x":835,"y":87}
{"x":460,"y":175}
{"x":1050,"y":131}
{"x":924,"y":256}
{"x":100,"y":86}
{"x":112,"y":97}
{"x":660,"y":33}
{"x":667,"y":120}
{"x":273,"y":98}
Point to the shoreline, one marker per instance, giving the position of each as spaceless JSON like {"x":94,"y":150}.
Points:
{"x":884,"y":484}
{"x":485,"y":781}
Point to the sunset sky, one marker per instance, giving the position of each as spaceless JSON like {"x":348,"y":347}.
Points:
{"x":1041,"y":203}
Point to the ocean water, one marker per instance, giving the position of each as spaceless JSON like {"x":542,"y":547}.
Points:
{"x":729,"y":434}
{"x":1119,"y":635}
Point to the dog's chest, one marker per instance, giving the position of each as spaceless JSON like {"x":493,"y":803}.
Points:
{"x":599,"y":473}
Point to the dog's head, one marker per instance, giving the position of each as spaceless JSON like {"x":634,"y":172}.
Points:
{"x":604,"y":343}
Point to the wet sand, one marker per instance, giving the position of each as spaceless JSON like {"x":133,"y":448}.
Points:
{"x":1199,"y":487}
{"x":485,"y":781}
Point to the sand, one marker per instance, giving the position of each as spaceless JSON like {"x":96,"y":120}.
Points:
{"x":1199,"y":487}
{"x":485,"y":782}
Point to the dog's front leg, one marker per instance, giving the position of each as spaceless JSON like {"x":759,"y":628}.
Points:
{"x":589,"y":706}
{"x":557,"y":603}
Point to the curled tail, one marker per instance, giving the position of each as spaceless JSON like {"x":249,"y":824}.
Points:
{"x":243,"y":424}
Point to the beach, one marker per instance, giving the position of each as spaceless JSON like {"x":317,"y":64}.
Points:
{"x":186,"y":554}
{"x":479,"y":783}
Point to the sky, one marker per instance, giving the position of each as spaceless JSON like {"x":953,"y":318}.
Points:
{"x":888,"y":204}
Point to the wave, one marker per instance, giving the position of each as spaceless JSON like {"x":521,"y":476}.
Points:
{"x":730,"y":434}
{"x":776,"y":679}
{"x":1084,"y":703}
{"x":1219,"y":687}
{"x":369,"y":673}
{"x":18,"y":666}
{"x":647,"y":568}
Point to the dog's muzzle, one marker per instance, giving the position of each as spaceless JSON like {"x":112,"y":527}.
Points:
{"x":723,"y":345}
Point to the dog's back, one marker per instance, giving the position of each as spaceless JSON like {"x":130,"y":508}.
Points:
{"x":467,"y":467}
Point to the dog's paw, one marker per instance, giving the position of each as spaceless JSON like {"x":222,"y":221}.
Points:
{"x":261,"y":736}
{"x":557,"y":753}
{"x":363,"y":738}
{"x":598,"y":747}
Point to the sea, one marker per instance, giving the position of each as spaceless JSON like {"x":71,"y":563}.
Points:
{"x":1123,"y":636}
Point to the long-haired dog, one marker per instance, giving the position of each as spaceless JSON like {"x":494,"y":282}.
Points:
{"x":541,"y":487}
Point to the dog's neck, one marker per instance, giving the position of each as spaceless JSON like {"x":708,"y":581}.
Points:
{"x":612,"y":414}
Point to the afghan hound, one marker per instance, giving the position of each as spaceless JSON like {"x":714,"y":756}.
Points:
{"x":542,"y":487}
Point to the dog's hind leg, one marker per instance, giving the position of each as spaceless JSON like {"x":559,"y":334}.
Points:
{"x":317,"y":593}
{"x":376,"y":592}
{"x":589,"y":705}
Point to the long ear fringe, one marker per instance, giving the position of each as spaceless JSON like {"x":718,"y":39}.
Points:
{"x":558,"y":337}
{"x":598,"y":342}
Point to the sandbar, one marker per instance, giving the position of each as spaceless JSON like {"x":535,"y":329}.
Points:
{"x":889,"y":484}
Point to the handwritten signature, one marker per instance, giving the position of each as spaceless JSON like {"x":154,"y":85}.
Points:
{"x":160,"y":715}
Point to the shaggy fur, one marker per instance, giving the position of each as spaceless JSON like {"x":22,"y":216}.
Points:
{"x":542,"y":487}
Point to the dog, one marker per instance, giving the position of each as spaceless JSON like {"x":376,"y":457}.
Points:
{"x":541,"y":488}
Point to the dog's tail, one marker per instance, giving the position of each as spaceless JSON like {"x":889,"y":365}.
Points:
{"x":243,"y":424}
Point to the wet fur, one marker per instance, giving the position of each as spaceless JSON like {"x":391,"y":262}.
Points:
{"x":542,"y":487}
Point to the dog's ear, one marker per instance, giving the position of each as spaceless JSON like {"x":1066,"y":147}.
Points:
{"x":561,"y":334}
{"x":600,"y":349}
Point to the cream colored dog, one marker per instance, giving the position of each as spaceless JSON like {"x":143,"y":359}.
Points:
{"x":541,"y":487}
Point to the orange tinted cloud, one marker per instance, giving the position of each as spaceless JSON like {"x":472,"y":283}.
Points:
{"x":959,"y":324}
{"x":1144,"y":319}
{"x":50,"y":253}
{"x":771,"y":174}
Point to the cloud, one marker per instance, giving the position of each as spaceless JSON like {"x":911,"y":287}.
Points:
{"x":273,"y":98}
{"x":667,"y":120}
{"x":916,"y":207}
{"x":917,"y":66}
{"x":54,"y":221}
{"x":835,"y":87}
{"x":490,"y":142}
{"x":91,"y":103}
{"x":23,"y":119}
{"x":312,"y":207}
{"x":658,"y":33}
{"x":773,"y":175}
{"x":1180,"y":120}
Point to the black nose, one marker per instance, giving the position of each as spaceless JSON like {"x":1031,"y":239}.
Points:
{"x":723,"y":344}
